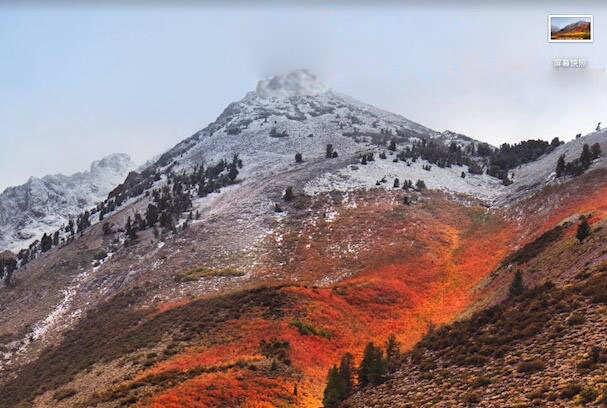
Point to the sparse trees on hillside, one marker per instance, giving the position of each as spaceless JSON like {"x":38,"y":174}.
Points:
{"x":579,"y":165}
{"x":583,"y":230}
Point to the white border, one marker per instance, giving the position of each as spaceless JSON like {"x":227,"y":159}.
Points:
{"x":571,"y":41}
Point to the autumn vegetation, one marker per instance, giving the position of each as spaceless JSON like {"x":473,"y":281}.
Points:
{"x":340,"y":275}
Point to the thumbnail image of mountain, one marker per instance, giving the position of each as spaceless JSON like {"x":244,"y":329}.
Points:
{"x":573,"y":28}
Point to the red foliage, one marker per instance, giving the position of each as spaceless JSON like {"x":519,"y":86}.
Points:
{"x":412,"y":267}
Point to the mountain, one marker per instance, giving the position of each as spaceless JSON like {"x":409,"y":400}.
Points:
{"x":577,"y":27}
{"x":296,"y":113}
{"x":231,"y":271}
{"x":43,"y":205}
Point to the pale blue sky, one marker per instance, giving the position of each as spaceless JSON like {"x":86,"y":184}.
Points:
{"x":77,"y":83}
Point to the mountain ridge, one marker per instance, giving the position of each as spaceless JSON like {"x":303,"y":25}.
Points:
{"x":45,"y":204}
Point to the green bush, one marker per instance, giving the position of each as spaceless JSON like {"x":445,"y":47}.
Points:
{"x":306,"y":329}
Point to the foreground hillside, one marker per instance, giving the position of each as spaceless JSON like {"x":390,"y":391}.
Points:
{"x":545,"y":347}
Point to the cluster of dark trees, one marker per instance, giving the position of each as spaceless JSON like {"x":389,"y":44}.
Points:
{"x":509,"y":156}
{"x":579,"y":165}
{"x":440,"y":155}
{"x":373,"y":369}
{"x":175,"y":198}
{"x":7,"y":268}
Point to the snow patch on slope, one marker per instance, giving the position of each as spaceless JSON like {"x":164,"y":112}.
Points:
{"x":358,"y":176}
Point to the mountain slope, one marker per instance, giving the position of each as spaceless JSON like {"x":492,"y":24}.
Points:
{"x":545,"y":347}
{"x":247,"y":295}
{"x":43,"y":205}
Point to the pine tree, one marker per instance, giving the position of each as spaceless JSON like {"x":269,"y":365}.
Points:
{"x":392,"y":352}
{"x":373,"y":366}
{"x":151,"y":215}
{"x":392,"y":145}
{"x":516,"y":287}
{"x":333,"y":394}
{"x":583,"y":230}
{"x":233,"y":173}
{"x":346,"y":373}
{"x":560,"y":166}
{"x":298,"y":158}
{"x":329,"y":151}
{"x":586,"y":156}
{"x":131,"y":231}
{"x":396,"y":183}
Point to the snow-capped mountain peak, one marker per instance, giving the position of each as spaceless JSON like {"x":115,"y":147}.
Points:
{"x":45,"y":204}
{"x":296,"y":83}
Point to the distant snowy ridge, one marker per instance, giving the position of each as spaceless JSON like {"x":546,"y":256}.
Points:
{"x":45,"y":204}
